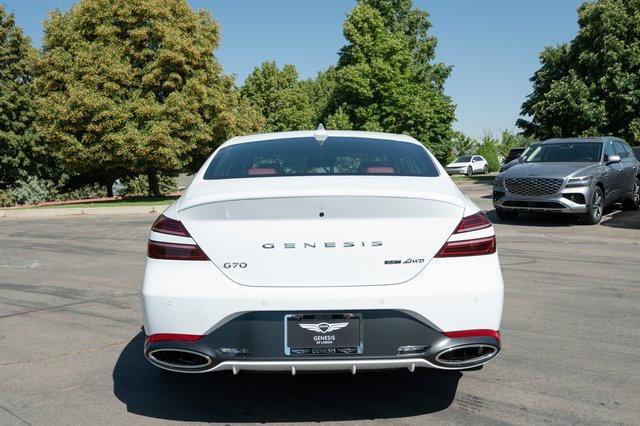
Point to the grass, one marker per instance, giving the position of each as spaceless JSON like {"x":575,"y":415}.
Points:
{"x":127,"y":202}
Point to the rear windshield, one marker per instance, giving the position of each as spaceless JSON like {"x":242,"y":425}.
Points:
{"x":581,"y":152}
{"x":307,"y":157}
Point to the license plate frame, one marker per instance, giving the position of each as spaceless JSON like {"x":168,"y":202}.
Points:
{"x":351,"y":344}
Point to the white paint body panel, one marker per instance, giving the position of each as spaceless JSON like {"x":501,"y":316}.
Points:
{"x":232,"y":219}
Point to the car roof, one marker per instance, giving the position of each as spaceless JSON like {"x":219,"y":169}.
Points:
{"x":600,"y":139}
{"x":330,"y":133}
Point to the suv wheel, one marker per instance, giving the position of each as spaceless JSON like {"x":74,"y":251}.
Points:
{"x":506,"y":214}
{"x":469,"y":171}
{"x":486,"y":169}
{"x":595,"y":209}
{"x":633,"y":202}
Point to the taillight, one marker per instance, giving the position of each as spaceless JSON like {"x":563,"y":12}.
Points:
{"x":470,"y":247}
{"x":164,"y":225}
{"x":473,"y":223}
{"x":172,"y":251}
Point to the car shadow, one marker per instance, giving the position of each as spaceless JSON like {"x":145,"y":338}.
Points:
{"x":624,"y":219}
{"x":534,"y":219}
{"x":614,"y":217}
{"x":276,"y":397}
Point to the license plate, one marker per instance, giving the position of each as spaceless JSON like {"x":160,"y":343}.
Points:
{"x":322,"y":334}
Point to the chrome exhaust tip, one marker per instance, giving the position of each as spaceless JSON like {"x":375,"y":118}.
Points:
{"x":178,"y":359}
{"x":466,"y":356}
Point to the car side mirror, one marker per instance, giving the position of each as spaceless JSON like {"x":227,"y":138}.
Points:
{"x":611,"y":159}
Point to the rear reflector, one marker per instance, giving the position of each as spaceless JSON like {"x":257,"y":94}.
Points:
{"x":171,"y":251}
{"x":167,"y":337}
{"x":473,"y":223}
{"x":472,"y":333}
{"x":475,"y":247}
{"x":164,"y":225}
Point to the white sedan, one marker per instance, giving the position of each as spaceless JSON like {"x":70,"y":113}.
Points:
{"x":468,"y":165}
{"x":321,"y":251}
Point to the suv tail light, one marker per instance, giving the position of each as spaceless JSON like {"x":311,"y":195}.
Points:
{"x":471,"y":247}
{"x":172,"y":250}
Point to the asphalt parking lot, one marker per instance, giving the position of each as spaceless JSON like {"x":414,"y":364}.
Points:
{"x":71,"y":344}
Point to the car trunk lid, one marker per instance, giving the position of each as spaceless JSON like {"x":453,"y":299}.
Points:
{"x":323,"y":231}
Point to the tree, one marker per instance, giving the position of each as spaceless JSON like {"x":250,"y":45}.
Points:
{"x":590,"y":86}
{"x":321,"y":92}
{"x":129,"y":87}
{"x":21,"y":156}
{"x":386,"y":78}
{"x":462,"y":144}
{"x":510,"y":140}
{"x":280,"y":96}
{"x":489,"y":150}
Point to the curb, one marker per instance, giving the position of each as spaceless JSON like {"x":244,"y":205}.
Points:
{"x":82,"y":211}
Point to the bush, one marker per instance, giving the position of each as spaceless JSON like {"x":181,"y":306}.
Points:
{"x":139,"y":185}
{"x":34,"y":190}
{"x":489,"y":150}
{"x":7,"y":199}
{"x":87,"y":191}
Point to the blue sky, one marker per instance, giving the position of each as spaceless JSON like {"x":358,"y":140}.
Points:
{"x":492,"y":44}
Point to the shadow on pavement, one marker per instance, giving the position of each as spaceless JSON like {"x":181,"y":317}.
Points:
{"x":247,"y":397}
{"x":625,"y":219}
{"x":534,"y":219}
{"x":614,"y":218}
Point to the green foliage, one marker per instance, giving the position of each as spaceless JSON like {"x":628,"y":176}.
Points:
{"x":281,"y":98}
{"x":133,"y":87}
{"x":489,"y":150}
{"x":33,"y":190}
{"x":7,"y":199}
{"x":20,"y":153}
{"x":462,"y":145}
{"x":339,"y":120}
{"x":139,"y":185}
{"x":321,"y":92}
{"x":591,"y":85}
{"x":510,"y":140}
{"x":386,"y":79}
{"x":81,"y":193}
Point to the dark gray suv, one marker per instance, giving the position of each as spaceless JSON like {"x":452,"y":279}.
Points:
{"x":576,"y":176}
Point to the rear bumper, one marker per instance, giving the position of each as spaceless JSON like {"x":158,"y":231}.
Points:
{"x":191,"y":297}
{"x":254,"y":341}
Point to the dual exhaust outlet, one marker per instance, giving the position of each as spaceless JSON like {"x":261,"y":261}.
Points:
{"x":462,"y":356}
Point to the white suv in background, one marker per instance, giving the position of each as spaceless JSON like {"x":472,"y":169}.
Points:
{"x":468,"y":165}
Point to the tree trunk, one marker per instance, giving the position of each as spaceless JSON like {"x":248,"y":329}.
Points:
{"x":109,"y":189}
{"x":154,"y":183}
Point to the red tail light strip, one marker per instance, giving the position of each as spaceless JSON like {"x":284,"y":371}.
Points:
{"x":477,"y":247}
{"x":164,"y":225}
{"x":166,"y":337}
{"x":473,"y":223}
{"x":473,"y":333}
{"x":171,"y":251}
